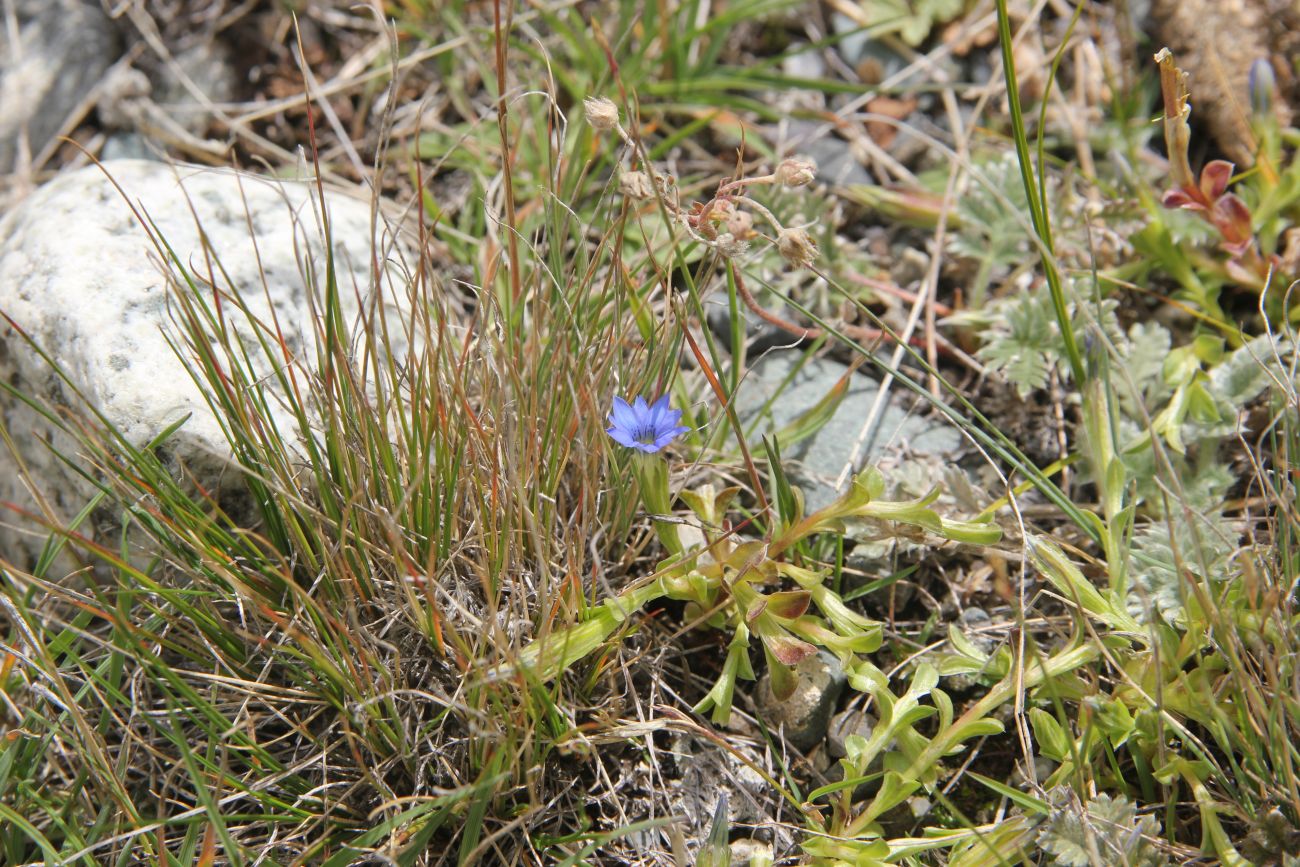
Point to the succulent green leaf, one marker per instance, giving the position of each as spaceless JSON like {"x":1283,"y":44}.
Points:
{"x":781,"y":676}
{"x":1053,"y":742}
{"x":894,"y":790}
{"x":971,"y":532}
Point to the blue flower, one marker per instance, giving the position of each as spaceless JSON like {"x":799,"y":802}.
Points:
{"x":645,"y":428}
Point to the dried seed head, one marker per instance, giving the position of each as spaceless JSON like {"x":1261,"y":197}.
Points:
{"x":730,"y":246}
{"x":796,"y":172}
{"x":636,"y":185}
{"x":601,"y":113}
{"x":741,"y":225}
{"x":720,"y":210}
{"x":797,"y":247}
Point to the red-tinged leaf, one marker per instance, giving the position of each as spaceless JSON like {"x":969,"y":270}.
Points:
{"x":787,"y":649}
{"x":1182,"y":199}
{"x":1232,"y":218}
{"x":756,"y":609}
{"x":1215,"y":177}
{"x":788,"y":604}
{"x":747,"y":555}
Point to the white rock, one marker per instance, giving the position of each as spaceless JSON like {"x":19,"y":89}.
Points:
{"x":81,"y":279}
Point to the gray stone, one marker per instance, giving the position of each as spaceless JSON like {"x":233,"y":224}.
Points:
{"x":974,"y":623}
{"x":175,"y":103}
{"x":804,"y":64}
{"x":853,"y":721}
{"x":848,"y":722}
{"x":857,"y":45}
{"x":210,"y":69}
{"x":61,"y":53}
{"x":79,"y":276}
{"x":804,"y":717}
{"x":815,"y":463}
{"x":127,"y":146}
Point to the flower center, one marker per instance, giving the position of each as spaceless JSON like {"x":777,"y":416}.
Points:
{"x":645,"y":436}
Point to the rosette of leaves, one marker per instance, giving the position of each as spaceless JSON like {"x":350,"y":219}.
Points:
{"x":744,"y":586}
{"x":1104,"y":830}
{"x":1021,"y":337}
{"x":1167,"y":552}
{"x":726,"y":579}
{"x":896,"y":758}
{"x":1274,"y":840}
{"x":992,"y":227}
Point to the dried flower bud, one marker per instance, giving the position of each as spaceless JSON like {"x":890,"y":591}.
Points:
{"x":601,"y":113}
{"x":636,"y":185}
{"x":1178,"y":135}
{"x":797,"y":247}
{"x":796,"y":172}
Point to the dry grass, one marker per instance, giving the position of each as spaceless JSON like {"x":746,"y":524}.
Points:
{"x":324,"y":666}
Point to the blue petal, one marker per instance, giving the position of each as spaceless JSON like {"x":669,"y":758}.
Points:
{"x":640,"y":408}
{"x":623,"y":437}
{"x":623,"y":415}
{"x":667,"y":436}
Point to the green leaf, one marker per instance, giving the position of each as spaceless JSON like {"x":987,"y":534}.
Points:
{"x":709,"y":504}
{"x":977,"y":728}
{"x":911,"y":21}
{"x":720,"y":697}
{"x":716,"y":851}
{"x":1073,"y":586}
{"x":971,"y":532}
{"x":1022,"y":799}
{"x":841,"y":785}
{"x":964,"y":645}
{"x":781,"y":677}
{"x":894,"y":790}
{"x":1053,"y":742}
{"x":846,"y":621}
{"x":1022,"y":340}
{"x":841,"y":851}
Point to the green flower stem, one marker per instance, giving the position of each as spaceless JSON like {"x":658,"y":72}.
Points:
{"x":1037,"y":206}
{"x":651,"y":474}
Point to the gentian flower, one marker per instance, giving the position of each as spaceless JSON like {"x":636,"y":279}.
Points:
{"x":646,"y":428}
